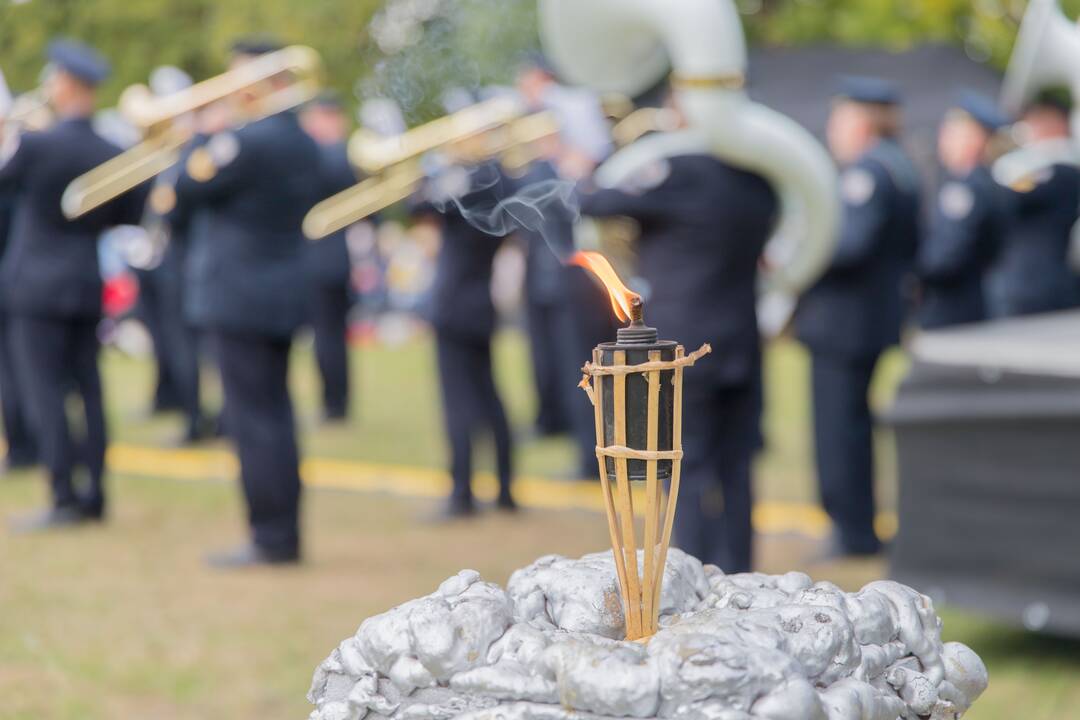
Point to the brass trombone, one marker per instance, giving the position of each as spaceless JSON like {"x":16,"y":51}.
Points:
{"x":28,"y":111}
{"x":165,"y":132}
{"x":634,"y":125}
{"x":498,"y":128}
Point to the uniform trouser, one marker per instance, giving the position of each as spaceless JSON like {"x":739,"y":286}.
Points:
{"x":259,"y":418}
{"x":1028,"y":291}
{"x":470,"y":404}
{"x":152,"y":311}
{"x":543,"y":325}
{"x":21,"y":444}
{"x":329,"y":322}
{"x":180,"y":352}
{"x":184,"y":368}
{"x":843,"y":445}
{"x":54,"y":357}
{"x":720,"y":434}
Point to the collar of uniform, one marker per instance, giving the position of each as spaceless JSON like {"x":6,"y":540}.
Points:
{"x":889,"y":153}
{"x":289,"y":116}
{"x":76,"y":121}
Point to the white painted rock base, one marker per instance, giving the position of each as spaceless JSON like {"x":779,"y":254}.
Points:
{"x":730,"y":647}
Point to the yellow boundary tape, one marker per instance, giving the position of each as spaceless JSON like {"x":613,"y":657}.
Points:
{"x":417,"y":482}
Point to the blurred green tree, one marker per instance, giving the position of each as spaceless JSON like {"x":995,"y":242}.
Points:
{"x":466,"y":43}
{"x":137,"y":35}
{"x":985,"y":28}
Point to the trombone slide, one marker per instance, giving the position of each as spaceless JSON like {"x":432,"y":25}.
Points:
{"x":362,"y":200}
{"x":123,"y":172}
{"x":478,"y":138}
{"x":373,"y":154}
{"x":140,"y":106}
{"x":165,"y":136}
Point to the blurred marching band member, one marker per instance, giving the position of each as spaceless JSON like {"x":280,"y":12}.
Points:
{"x":566,"y":310}
{"x":21,"y":445}
{"x":462,"y":312}
{"x":970,"y":217}
{"x":856,"y":310}
{"x":583,"y":128}
{"x":248,"y":190}
{"x":584,"y":321}
{"x":704,"y":224}
{"x":52,"y":283}
{"x":543,"y":295}
{"x":1032,"y":273}
{"x":149,"y":270}
{"x":328,"y":266}
{"x":161,"y":289}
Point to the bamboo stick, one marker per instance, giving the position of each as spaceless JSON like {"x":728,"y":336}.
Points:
{"x":684,"y":361}
{"x":635,"y":454}
{"x":626,"y":507}
{"x":605,"y":485}
{"x":652,"y":501}
{"x":676,"y":469}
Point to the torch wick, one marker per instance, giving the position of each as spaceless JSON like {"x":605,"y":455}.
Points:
{"x":637,"y":308}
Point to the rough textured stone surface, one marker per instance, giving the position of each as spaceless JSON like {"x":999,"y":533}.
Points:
{"x":730,"y":647}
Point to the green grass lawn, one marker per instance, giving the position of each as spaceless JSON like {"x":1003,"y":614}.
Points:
{"x":396,"y":412}
{"x":123,"y":621}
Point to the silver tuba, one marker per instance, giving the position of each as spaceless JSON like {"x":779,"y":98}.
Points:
{"x":627,"y":46}
{"x":1047,"y":52}
{"x":25,"y":112}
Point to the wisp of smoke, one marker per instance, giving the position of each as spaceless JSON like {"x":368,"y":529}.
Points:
{"x":427,"y":47}
{"x":546,"y":207}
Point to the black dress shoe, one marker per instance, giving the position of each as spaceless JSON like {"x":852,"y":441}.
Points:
{"x":196,"y":433}
{"x":56,"y":518}
{"x":11,"y":465}
{"x":165,"y":405}
{"x":453,"y":510}
{"x":837,"y":551}
{"x":92,"y":510}
{"x":506,"y":503}
{"x":331,"y":417}
{"x":251,"y":555}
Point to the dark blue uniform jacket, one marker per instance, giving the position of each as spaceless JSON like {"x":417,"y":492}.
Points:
{"x":245,"y":267}
{"x":7,"y":214}
{"x":703,"y":227}
{"x":548,"y":231}
{"x":857,"y":308}
{"x":460,"y":302}
{"x":970,"y":218}
{"x":51,"y":267}
{"x":1032,"y":273}
{"x":328,"y":258}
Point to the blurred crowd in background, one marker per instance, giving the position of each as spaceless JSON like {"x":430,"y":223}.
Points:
{"x":208,"y":258}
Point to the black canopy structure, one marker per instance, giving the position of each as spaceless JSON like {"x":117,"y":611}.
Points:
{"x":986,"y":426}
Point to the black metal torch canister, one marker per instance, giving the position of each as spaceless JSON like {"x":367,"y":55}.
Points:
{"x":634,"y":345}
{"x":635,"y":385}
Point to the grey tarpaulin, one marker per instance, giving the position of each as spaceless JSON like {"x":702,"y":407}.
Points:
{"x":987,"y":428}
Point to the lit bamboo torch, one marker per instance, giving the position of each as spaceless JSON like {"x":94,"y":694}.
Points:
{"x":635,"y":385}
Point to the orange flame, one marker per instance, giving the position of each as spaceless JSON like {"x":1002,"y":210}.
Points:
{"x":623,"y":299}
